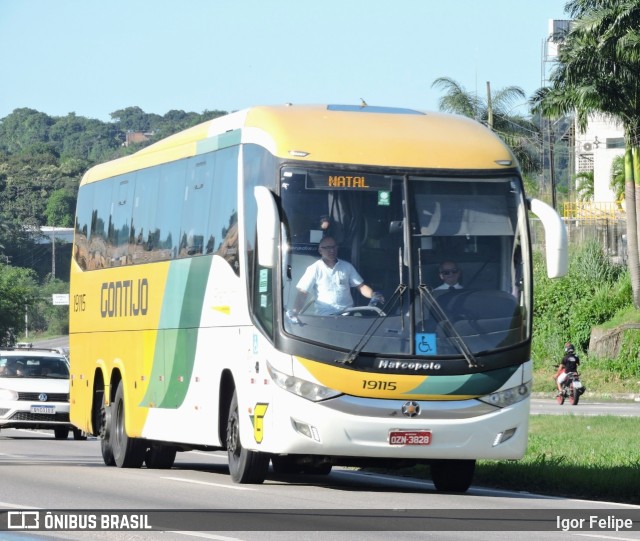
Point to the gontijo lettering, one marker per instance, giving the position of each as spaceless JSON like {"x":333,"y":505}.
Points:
{"x":124,"y":298}
{"x":342,"y":181}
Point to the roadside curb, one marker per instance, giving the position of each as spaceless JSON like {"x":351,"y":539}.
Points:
{"x":614,"y":397}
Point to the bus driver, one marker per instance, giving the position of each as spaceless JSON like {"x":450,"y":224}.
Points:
{"x":332,"y":279}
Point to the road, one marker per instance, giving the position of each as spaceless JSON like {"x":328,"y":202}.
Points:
{"x":586,"y":406}
{"x":41,"y":473}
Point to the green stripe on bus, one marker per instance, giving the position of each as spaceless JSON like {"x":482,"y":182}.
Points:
{"x":217,"y":142}
{"x":175,"y":348}
{"x":479,"y":384}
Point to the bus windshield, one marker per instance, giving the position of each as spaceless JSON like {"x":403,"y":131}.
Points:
{"x":445,"y":255}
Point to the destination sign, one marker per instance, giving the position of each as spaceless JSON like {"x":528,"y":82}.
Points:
{"x":334,"y":180}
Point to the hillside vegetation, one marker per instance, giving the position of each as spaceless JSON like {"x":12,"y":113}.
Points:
{"x":595,"y":292}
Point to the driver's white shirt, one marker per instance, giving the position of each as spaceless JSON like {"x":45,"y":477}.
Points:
{"x":332,"y":285}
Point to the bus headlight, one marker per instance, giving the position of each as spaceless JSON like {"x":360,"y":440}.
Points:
{"x":508,"y":397}
{"x":305,"y":389}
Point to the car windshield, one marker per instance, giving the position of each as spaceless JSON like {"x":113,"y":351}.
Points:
{"x":33,"y":367}
{"x":446,"y":254}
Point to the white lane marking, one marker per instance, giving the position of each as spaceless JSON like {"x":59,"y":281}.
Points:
{"x":210,"y":454}
{"x":183,"y":480}
{"x":208,"y":536}
{"x":16,"y":506}
{"x":600,"y":536}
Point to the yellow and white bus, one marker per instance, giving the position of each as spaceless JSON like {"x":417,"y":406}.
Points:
{"x":186,"y":259}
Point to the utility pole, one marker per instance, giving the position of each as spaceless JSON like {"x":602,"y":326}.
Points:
{"x":552,"y":169}
{"x":53,"y":253}
{"x":489,"y":107}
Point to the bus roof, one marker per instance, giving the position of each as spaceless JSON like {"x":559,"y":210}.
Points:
{"x":377,"y":136}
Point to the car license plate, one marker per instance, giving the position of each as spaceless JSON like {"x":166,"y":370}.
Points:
{"x":410,"y":437}
{"x":43,"y":409}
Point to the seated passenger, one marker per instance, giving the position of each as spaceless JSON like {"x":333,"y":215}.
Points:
{"x":450,"y":276}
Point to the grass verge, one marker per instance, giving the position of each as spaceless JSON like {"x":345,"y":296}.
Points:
{"x":594,"y":458}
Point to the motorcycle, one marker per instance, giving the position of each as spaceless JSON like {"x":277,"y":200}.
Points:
{"x":572,"y":388}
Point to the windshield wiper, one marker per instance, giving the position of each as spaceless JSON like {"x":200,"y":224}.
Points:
{"x":448,"y":327}
{"x":443,"y":319}
{"x":390,"y":305}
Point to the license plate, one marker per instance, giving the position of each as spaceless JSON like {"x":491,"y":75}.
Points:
{"x":410,"y":437}
{"x":43,"y":409}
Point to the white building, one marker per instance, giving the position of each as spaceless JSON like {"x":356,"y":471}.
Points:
{"x":595,"y":151}
{"x":61,"y":234}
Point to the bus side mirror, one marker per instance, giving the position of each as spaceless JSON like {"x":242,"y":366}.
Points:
{"x":555,"y":238}
{"x":267,"y":224}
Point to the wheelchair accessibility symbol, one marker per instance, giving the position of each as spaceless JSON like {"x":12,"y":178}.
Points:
{"x":426,"y":344}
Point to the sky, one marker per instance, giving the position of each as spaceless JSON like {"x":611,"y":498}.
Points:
{"x":94,"y":57}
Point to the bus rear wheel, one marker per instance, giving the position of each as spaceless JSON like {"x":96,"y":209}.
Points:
{"x":160,"y":457}
{"x":127,"y":452}
{"x":244,"y":466}
{"x":452,"y":475}
{"x":287,"y":465}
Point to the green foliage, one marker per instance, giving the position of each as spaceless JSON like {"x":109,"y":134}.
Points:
{"x":18,"y":291}
{"x":617,"y":183}
{"x":60,"y":208}
{"x":514,"y":130}
{"x":567,"y":308}
{"x":44,"y":317}
{"x":585,"y":185}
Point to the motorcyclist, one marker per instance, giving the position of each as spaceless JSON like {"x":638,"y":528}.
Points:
{"x":569,"y":363}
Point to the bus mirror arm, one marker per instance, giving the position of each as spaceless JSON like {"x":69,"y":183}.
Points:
{"x":555,"y":237}
{"x":267,"y":226}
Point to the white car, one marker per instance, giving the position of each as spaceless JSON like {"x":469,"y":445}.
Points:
{"x":34,"y":391}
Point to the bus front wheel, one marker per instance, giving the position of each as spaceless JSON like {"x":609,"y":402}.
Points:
{"x":452,"y":475}
{"x":127,"y":452}
{"x":244,"y":466}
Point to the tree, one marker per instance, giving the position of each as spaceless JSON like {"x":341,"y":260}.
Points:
{"x":132,"y":119}
{"x":24,"y":128}
{"x":18,"y":292}
{"x":585,"y":185}
{"x":519,"y":133}
{"x":597,"y":74}
{"x":617,"y":177}
{"x":61,"y":208}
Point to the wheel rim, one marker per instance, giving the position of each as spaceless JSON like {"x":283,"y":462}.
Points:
{"x":233,"y":437}
{"x":118,"y":431}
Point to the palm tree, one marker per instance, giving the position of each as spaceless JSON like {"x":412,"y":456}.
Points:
{"x":519,"y":133}
{"x":597,"y":74}
{"x":617,"y":177}
{"x":584,"y":185}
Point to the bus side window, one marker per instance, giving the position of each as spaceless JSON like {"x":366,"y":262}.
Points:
{"x":223,"y":216}
{"x":83,"y":226}
{"x":171,"y":194}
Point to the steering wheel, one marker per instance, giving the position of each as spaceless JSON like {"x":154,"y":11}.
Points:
{"x":363,"y":311}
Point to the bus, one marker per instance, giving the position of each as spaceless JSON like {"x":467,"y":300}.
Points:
{"x":186,"y":265}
